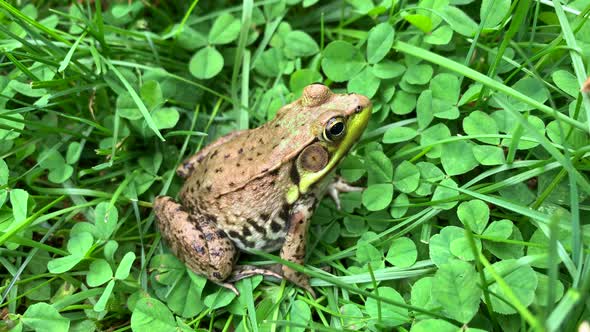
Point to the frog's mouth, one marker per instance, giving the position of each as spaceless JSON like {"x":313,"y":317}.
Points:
{"x":356,"y":124}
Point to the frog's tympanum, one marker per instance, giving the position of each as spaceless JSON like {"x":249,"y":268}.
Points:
{"x":257,"y":188}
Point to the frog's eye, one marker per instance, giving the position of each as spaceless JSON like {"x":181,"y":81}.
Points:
{"x":335,"y":129}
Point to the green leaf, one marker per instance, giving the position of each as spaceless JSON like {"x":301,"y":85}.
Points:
{"x":457,"y":158}
{"x":60,"y":174}
{"x":522,"y":281}
{"x":501,"y":229}
{"x":424,"y":109}
{"x":475,"y":214}
{"x":379,"y":167}
{"x":352,"y":168}
{"x":433,"y":135}
{"x":399,"y":134}
{"x":127,"y":108}
{"x":488,"y":155}
{"x":440,"y":244}
{"x":567,"y":82}
{"x":221,"y":298}
{"x":151,"y":94}
{"x":399,"y":206}
{"x":152,"y":315}
{"x":440,"y":36}
{"x":388,"y":69}
{"x":99,"y":272}
{"x":45,"y":318}
{"x":80,"y":243}
{"x":379,"y":42}
{"x":402,"y":252}
{"x":391,"y":315}
{"x":300,"y":313}
{"x":378,"y":196}
{"x":206,"y":63}
{"x":74,"y":152}
{"x":445,"y":191}
{"x":420,"y":296}
{"x":418,"y":74}
{"x":437,"y":325}
{"x":299,"y":44}
{"x":272,"y":63}
{"x":459,"y":21}
{"x":125,"y":266}
{"x":364,"y":83}
{"x":492,"y":12}
{"x":574,"y":137}
{"x":479,"y":123}
{"x":18,"y":200}
{"x":341,"y":61}
{"x":542,"y":291}
{"x":445,"y":95}
{"x":225,"y":29}
{"x":64,"y":264}
{"x":403,"y":103}
{"x":165,"y":117}
{"x":406,"y":177}
{"x":422,"y":22}
{"x":352,"y":317}
{"x":457,"y":290}
{"x":106,"y":218}
{"x":461,"y":249}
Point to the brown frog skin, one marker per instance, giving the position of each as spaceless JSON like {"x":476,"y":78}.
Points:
{"x":257,"y":188}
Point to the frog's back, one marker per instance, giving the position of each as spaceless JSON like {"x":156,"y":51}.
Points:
{"x":250,"y":155}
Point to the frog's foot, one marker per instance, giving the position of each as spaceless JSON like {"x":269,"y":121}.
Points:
{"x":245,"y":271}
{"x":340,"y":186}
{"x":299,"y":279}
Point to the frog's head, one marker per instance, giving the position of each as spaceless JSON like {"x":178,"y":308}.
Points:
{"x":336,"y":122}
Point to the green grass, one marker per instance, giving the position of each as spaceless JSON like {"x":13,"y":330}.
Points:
{"x":475,"y":161}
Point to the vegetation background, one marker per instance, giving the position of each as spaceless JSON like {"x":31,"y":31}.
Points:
{"x":475,"y":161}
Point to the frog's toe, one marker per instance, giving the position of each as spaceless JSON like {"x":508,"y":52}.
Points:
{"x":228,"y":285}
{"x":340,"y":186}
{"x":245,"y":271}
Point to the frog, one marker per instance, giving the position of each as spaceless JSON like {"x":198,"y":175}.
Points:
{"x":258,"y":188}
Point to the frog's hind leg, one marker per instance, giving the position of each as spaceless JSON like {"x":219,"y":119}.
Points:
{"x":197,"y":241}
{"x":186,"y":168}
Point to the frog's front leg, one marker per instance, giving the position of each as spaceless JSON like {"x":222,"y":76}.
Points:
{"x":293,"y":248}
{"x":194,"y":239}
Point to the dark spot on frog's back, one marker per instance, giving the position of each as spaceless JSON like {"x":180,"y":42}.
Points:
{"x":246,"y":231}
{"x":240,"y":150}
{"x":227,"y":156}
{"x":219,"y":170}
{"x":214,"y":153}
